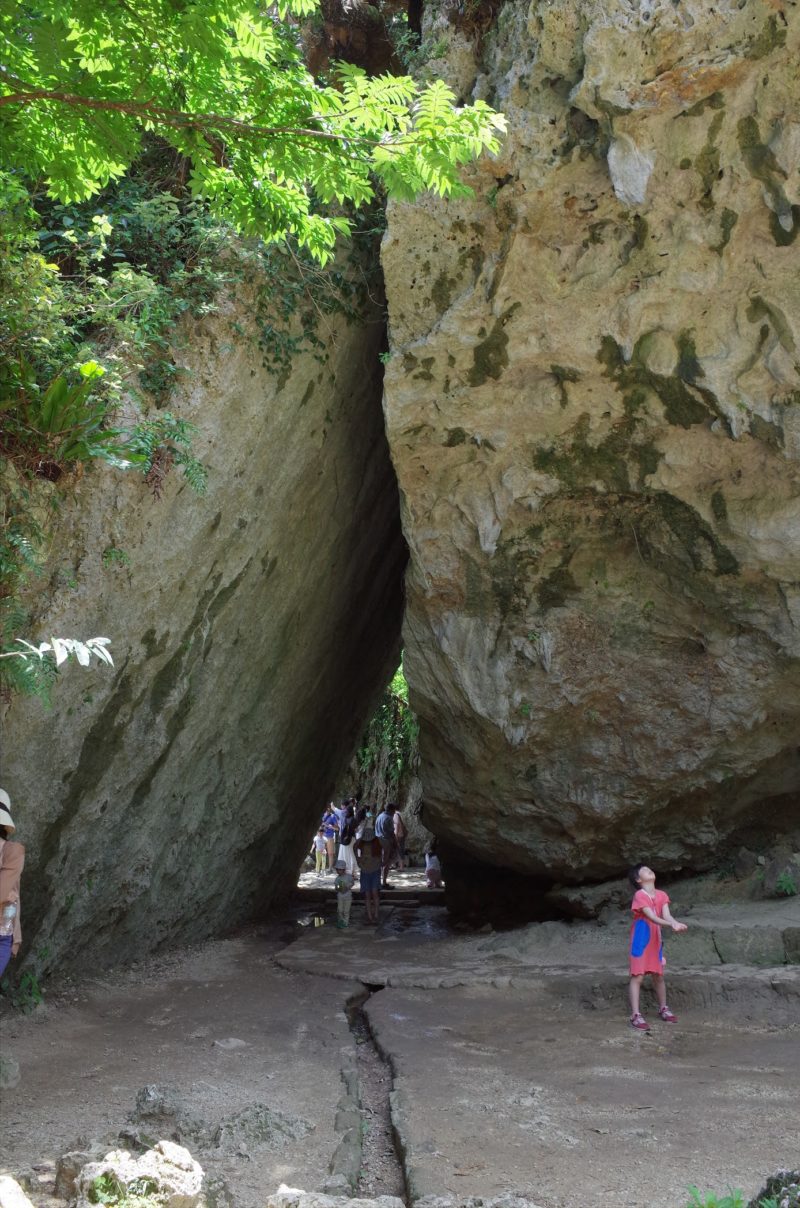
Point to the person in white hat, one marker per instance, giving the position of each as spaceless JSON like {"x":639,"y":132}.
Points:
{"x":12,"y":858}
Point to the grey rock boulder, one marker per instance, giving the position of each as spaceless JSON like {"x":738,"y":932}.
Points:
{"x":750,"y":945}
{"x":782,"y":876}
{"x":598,"y":456}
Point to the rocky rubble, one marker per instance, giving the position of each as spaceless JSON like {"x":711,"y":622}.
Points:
{"x":593,"y":408}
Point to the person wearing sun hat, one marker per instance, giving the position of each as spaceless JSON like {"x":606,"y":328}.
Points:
{"x":12,"y":858}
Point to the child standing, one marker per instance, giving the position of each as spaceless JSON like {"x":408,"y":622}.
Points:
{"x":344,"y":893}
{"x":320,"y":850}
{"x":433,"y":867}
{"x":650,"y":907}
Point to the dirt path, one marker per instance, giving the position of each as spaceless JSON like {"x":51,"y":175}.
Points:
{"x":499,"y":1075}
{"x":250,"y":1060}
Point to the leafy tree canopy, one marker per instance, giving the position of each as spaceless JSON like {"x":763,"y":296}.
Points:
{"x":223,"y":82}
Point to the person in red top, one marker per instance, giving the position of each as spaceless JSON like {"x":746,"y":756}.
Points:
{"x":650,"y":907}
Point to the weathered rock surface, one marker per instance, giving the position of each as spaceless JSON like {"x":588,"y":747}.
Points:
{"x":252,"y":629}
{"x":11,"y":1194}
{"x":167,"y":1174}
{"x":593,"y":407}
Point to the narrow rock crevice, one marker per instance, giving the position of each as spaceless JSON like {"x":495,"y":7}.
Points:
{"x":381,"y":1171}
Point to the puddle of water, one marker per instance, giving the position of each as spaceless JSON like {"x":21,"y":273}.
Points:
{"x":425,"y":922}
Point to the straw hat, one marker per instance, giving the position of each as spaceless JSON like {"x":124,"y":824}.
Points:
{"x":5,"y":816}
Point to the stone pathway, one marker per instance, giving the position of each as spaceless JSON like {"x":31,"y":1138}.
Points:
{"x":510,"y":1067}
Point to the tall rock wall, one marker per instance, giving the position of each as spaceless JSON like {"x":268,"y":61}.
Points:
{"x":252,"y":630}
{"x":593,"y":407}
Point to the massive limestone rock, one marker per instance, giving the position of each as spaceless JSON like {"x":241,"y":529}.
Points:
{"x":593,"y":407}
{"x":252,"y":630}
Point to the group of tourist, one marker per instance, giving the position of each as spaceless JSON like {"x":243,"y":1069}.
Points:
{"x":370,"y":842}
{"x":341,"y":829}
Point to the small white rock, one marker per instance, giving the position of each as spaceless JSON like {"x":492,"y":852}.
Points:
{"x":630,"y":170}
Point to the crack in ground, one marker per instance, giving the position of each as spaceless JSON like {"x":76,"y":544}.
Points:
{"x":381,"y":1171}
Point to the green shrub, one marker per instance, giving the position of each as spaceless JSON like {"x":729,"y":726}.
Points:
{"x":734,"y":1199}
{"x":786,"y":884}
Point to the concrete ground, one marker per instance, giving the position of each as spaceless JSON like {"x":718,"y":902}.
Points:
{"x":512,"y":1066}
{"x":508,"y":1091}
{"x":223,"y":1032}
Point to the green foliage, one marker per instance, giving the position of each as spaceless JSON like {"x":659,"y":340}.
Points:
{"x":48,"y":428}
{"x":223,"y":83}
{"x":101,"y":297}
{"x":294,"y":295}
{"x":786,"y":884}
{"x":133,"y":140}
{"x":161,"y":441}
{"x":782,"y":1190}
{"x":112,"y":556}
{"x":22,"y":546}
{"x":108,"y":1189}
{"x":78,"y":289}
{"x":734,"y":1199}
{"x":24,"y":995}
{"x":390,"y":742}
{"x":413,"y":52}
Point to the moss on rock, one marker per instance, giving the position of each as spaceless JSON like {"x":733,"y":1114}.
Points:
{"x":552,"y":592}
{"x":727,"y":221}
{"x":707,"y":163}
{"x":490,"y":356}
{"x":696,"y":537}
{"x":719,"y":507}
{"x":762,"y":164}
{"x":681,"y":405}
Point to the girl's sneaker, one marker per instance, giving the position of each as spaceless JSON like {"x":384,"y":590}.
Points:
{"x":666,"y":1015}
{"x":640,"y":1023}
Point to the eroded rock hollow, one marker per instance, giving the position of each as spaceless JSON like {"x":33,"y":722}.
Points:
{"x":593,"y":406}
{"x":252,"y":629}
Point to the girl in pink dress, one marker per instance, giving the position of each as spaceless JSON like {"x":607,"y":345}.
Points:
{"x":650,"y":907}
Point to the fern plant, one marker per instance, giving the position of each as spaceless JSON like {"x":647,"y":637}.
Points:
{"x":158,"y":443}
{"x":47,"y":431}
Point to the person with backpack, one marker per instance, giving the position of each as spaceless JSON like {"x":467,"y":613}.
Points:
{"x":368,"y":855}
{"x":330,"y":829}
{"x":347,"y":836}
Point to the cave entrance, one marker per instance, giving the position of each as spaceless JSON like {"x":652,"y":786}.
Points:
{"x":384,"y":768}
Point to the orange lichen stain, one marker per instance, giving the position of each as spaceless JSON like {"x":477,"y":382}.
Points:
{"x":570,"y":203}
{"x":686,"y":85}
